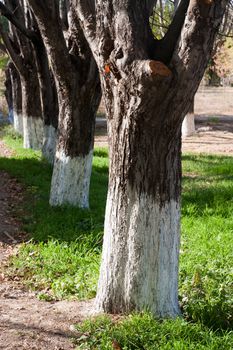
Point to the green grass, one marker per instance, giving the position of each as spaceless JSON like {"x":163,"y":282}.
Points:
{"x":4,"y":59}
{"x":142,"y":331}
{"x":62,"y":258}
{"x":63,"y":255}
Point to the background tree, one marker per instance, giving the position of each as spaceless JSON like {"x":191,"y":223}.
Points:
{"x":148,"y":86}
{"x":20,"y":49}
{"x":26,"y":26}
{"x":79,"y":93}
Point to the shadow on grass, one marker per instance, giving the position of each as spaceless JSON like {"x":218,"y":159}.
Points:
{"x":43,"y":222}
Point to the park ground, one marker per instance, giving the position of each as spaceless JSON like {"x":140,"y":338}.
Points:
{"x":29,"y":321}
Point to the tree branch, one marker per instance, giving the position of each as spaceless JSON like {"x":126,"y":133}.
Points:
{"x":10,"y":50}
{"x":10,"y":16}
{"x":3,"y":48}
{"x":165,"y":47}
{"x":86,"y":10}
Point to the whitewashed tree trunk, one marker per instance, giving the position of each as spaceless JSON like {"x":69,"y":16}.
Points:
{"x":33,"y":125}
{"x":17,"y":100}
{"x":18,"y":122}
{"x":141,"y":256}
{"x":71,"y":180}
{"x":188,"y":125}
{"x":49,"y":143}
{"x":33,"y":129}
{"x":78,"y":90}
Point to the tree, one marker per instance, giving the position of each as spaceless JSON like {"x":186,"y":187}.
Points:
{"x":78,"y":88}
{"x":9,"y":90}
{"x":13,"y":96}
{"x":147,"y":86}
{"x":23,"y":23}
{"x":20,"y":49}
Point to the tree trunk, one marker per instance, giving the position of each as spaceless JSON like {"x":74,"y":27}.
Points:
{"x":73,"y":162}
{"x":20,"y":49}
{"x":139,"y":267}
{"x":32,"y":121}
{"x":49,"y":101}
{"x":188,"y":125}
{"x":9,"y":93}
{"x":147,"y":86}
{"x":17,"y":100}
{"x":50,"y":121}
{"x":78,"y":89}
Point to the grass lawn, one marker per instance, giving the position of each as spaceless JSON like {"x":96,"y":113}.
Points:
{"x":62,"y":258}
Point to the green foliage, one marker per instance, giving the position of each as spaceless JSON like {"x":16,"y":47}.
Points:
{"x":3,"y":61}
{"x":161,"y":19}
{"x":142,"y":331}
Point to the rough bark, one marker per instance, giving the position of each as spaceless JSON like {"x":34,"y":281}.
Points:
{"x":147,"y":88}
{"x":9,"y":92}
{"x":32,"y":122}
{"x":78,"y":88}
{"x":17,"y":99}
{"x":26,"y":24}
{"x":139,"y":267}
{"x":20,"y":49}
{"x":48,"y":95}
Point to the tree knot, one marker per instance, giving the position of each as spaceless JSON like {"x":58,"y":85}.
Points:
{"x":159,"y":68}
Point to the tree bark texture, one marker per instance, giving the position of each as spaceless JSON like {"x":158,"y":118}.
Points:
{"x":31,"y":105}
{"x":148,"y":86}
{"x":20,"y":49}
{"x":8,"y":92}
{"x":78,"y":88}
{"x":49,"y":99}
{"x":17,"y":99}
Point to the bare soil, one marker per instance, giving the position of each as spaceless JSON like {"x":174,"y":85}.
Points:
{"x":214,"y":135}
{"x":27,"y":323}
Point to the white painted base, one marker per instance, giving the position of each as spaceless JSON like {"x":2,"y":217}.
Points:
{"x":33,"y":129}
{"x":139,"y":269}
{"x":71,"y":180}
{"x":188,"y":125}
{"x":49,"y":143}
{"x":18,"y":123}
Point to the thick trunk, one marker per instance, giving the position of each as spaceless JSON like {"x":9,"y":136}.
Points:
{"x":49,"y":103}
{"x":17,"y":100}
{"x":49,"y":143}
{"x":147,"y":87}
{"x":139,"y":269}
{"x":73,"y":161}
{"x":71,"y":180}
{"x":188,"y":125}
{"x":78,"y":89}
{"x":32,"y":115}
